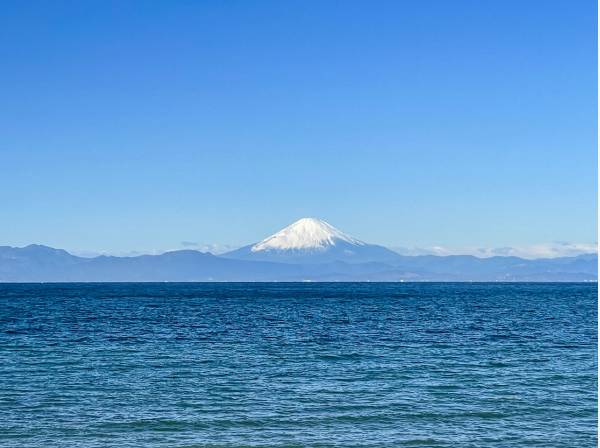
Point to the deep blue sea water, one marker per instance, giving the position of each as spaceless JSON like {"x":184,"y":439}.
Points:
{"x":231,"y":365}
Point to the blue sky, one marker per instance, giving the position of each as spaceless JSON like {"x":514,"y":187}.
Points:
{"x":138,"y":125}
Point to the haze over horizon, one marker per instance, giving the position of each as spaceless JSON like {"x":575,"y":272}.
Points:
{"x":550,"y":250}
{"x":212,"y":125}
{"x":307,"y":250}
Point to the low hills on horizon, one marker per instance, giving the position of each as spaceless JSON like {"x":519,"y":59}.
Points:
{"x":307,"y":250}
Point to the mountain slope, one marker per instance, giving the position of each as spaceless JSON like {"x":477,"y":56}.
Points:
{"x":45,"y":264}
{"x":311,"y":240}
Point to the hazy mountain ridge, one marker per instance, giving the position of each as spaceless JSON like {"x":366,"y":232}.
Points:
{"x":36,"y":263}
{"x":307,"y":250}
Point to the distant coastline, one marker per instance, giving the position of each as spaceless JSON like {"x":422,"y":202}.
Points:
{"x":37,"y":263}
{"x":309,"y":249}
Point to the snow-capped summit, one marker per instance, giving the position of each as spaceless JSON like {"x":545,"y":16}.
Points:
{"x":306,"y":233}
{"x":311,"y":240}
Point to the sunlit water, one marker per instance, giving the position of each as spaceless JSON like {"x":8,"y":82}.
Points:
{"x":184,"y":365}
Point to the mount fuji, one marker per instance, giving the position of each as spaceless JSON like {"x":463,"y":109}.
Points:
{"x":311,"y":240}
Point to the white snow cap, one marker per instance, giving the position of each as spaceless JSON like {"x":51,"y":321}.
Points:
{"x":306,"y":233}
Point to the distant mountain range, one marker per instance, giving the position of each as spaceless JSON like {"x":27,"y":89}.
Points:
{"x":307,"y":250}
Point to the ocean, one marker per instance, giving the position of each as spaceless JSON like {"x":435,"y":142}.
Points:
{"x":298,"y":365}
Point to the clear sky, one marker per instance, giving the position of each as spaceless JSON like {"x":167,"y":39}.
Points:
{"x":139,"y":125}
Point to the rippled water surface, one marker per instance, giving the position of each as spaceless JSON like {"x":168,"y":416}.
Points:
{"x":194,"y":365}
